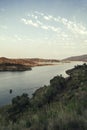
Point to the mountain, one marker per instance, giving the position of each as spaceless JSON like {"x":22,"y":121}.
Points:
{"x":77,"y":58}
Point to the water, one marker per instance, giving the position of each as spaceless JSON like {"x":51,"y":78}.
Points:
{"x":29,"y":81}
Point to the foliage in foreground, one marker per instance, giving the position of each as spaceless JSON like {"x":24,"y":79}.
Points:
{"x":60,"y":106}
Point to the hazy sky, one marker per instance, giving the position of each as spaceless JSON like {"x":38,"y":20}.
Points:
{"x":43,"y":28}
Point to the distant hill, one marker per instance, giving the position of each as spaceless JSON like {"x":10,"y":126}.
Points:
{"x":31,"y":62}
{"x":17,"y":61}
{"x":76,"y":58}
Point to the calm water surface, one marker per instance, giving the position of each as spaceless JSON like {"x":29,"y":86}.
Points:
{"x":29,"y":81}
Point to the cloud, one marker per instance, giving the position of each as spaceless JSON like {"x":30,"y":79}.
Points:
{"x":63,"y":29}
{"x":47,"y":18}
{"x":74,"y":27}
{"x":52,"y":28}
{"x":32,"y":15}
{"x":39,"y":13}
{"x":40,"y":25}
{"x":44,"y":27}
{"x":29,"y":22}
{"x":39,"y":22}
{"x":55,"y":29}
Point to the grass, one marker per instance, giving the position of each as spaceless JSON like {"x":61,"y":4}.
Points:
{"x":51,"y":117}
{"x":60,"y":106}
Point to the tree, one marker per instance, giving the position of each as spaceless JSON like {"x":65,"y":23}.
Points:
{"x":19,"y":105}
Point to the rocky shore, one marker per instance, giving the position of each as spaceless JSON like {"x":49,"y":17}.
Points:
{"x":13,"y":67}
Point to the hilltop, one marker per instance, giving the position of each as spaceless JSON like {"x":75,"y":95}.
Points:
{"x":62,"y":105}
{"x":77,"y":58}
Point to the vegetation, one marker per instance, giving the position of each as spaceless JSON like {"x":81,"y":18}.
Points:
{"x":60,"y":106}
{"x":13,"y":67}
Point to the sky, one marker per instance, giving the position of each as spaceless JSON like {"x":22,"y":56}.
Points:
{"x":43,"y":28}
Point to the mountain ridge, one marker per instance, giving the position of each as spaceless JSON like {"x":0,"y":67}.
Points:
{"x":76,"y":58}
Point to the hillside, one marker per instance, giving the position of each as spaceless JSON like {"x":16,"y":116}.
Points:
{"x":77,"y":58}
{"x":60,"y":106}
{"x":31,"y":62}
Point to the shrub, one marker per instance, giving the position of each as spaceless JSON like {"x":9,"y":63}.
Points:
{"x":19,"y":105}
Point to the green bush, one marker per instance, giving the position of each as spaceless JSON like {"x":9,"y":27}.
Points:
{"x":19,"y":105}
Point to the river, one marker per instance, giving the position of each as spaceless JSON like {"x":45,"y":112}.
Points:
{"x":29,"y":81}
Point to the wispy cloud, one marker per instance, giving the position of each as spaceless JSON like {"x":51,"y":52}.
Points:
{"x":64,"y":30}
{"x":55,"y":29}
{"x":44,"y":27}
{"x":39,"y":13}
{"x":29,"y":22}
{"x":38,"y":23}
{"x":47,"y":17}
{"x":74,"y":27}
{"x":33,"y":16}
